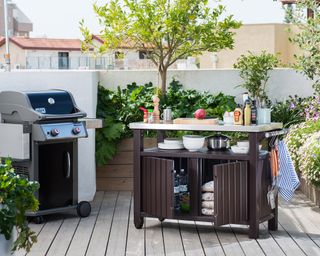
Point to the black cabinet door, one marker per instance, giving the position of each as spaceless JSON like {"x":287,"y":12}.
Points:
{"x":157,"y":187}
{"x":56,"y":175}
{"x":231,"y":193}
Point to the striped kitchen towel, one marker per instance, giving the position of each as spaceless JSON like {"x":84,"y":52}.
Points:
{"x":288,"y":178}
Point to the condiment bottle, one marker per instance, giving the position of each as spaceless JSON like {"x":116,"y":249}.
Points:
{"x":150,"y":116}
{"x":247,"y":114}
{"x":145,"y":114}
{"x":254,"y":113}
{"x":238,"y":116}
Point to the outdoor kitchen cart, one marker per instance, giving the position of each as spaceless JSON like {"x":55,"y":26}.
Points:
{"x":241,"y":181}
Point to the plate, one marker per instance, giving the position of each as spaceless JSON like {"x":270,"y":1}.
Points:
{"x":173,"y":141}
{"x":170,"y":146}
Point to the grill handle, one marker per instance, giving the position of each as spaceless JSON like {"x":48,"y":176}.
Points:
{"x":68,"y":165}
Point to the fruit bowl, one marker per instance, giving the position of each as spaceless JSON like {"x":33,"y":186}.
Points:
{"x":193,"y":142}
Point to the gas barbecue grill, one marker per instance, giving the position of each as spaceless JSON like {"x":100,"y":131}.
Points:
{"x":40,"y":132}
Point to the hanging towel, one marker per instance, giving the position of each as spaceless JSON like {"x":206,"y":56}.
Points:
{"x":288,"y":178}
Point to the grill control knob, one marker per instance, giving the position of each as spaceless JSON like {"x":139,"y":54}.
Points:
{"x":54,"y":132}
{"x":76,"y":130}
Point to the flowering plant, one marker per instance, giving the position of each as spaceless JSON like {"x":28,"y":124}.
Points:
{"x":310,"y":153}
{"x":312,"y":108}
{"x":297,"y":136}
{"x":290,"y":111}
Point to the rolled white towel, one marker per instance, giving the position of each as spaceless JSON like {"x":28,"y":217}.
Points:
{"x":208,"y":196}
{"x":207,"y":204}
{"x":206,"y":211}
{"x":208,"y":187}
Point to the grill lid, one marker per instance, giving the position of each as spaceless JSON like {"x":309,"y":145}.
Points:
{"x":51,"y":102}
{"x":17,"y":107}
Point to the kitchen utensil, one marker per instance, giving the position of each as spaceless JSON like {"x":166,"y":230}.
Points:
{"x":193,"y":142}
{"x":172,"y":141}
{"x":218,"y":142}
{"x":240,"y":150}
{"x":244,"y":143}
{"x":167,"y":115}
{"x":163,"y":145}
{"x":228,"y":118}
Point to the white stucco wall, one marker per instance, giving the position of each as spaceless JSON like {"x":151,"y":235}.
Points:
{"x":83,"y":86}
{"x":282,"y":83}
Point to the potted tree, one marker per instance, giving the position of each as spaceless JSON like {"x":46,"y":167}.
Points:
{"x":16,"y":198}
{"x":254,"y":70}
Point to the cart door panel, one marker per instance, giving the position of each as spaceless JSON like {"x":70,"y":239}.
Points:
{"x":157,"y":184}
{"x":231,"y":193}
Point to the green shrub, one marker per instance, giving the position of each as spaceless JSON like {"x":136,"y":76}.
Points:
{"x":289,"y":112}
{"x":16,"y":197}
{"x":121,"y":107}
{"x":309,"y":155}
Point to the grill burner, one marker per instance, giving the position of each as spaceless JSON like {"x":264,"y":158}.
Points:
{"x":51,"y":120}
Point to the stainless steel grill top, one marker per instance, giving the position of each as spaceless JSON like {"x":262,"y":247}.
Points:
{"x":21,"y":107}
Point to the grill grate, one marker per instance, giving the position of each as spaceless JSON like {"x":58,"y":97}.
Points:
{"x":23,"y":171}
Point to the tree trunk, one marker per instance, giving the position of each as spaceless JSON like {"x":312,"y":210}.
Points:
{"x":163,"y":75}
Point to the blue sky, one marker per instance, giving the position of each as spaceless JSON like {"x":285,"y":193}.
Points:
{"x":60,"y":18}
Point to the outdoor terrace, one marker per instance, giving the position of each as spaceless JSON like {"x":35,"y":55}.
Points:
{"x":109,"y":230}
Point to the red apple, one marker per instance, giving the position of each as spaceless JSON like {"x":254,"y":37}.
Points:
{"x":200,"y":113}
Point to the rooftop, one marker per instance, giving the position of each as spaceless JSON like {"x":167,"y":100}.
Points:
{"x":28,"y":43}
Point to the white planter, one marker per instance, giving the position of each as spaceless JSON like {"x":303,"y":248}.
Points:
{"x":5,"y":246}
{"x":264,"y":115}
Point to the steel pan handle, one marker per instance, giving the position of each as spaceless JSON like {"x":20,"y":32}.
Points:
{"x":68,"y":166}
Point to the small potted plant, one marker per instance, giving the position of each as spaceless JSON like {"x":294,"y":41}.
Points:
{"x":16,"y":198}
{"x":254,"y":70}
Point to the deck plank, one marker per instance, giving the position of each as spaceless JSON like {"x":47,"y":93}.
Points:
{"x":286,"y":243}
{"x":306,"y":215}
{"x":154,"y":237}
{"x":172,"y":239}
{"x":99,"y":240}
{"x":190,"y":238}
{"x":64,"y":236}
{"x":249,"y":246}
{"x":119,"y":229}
{"x":135,"y":241}
{"x":37,"y":229}
{"x":229,"y":241}
{"x":288,"y":222}
{"x":209,"y":239}
{"x":46,"y":237}
{"x":81,"y":238}
{"x":267,"y":243}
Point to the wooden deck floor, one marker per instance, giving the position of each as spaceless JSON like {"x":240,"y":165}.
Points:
{"x":110,"y":231}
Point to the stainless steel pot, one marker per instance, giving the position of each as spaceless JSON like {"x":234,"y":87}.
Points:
{"x":218,"y":142}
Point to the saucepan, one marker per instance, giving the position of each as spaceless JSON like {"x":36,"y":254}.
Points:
{"x":218,"y":142}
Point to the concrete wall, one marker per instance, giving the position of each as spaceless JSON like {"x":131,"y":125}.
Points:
{"x":283,"y":82}
{"x":83,"y":86}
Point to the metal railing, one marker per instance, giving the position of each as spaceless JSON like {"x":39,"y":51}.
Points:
{"x":44,"y":62}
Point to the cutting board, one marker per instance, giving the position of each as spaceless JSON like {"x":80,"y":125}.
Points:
{"x":212,"y":121}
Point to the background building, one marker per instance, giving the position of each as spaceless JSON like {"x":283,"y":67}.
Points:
{"x":273,"y":38}
{"x":18,"y":23}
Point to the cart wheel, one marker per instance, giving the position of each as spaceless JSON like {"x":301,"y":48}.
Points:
{"x":161,"y":219}
{"x":84,"y":209}
{"x":38,"y":220}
